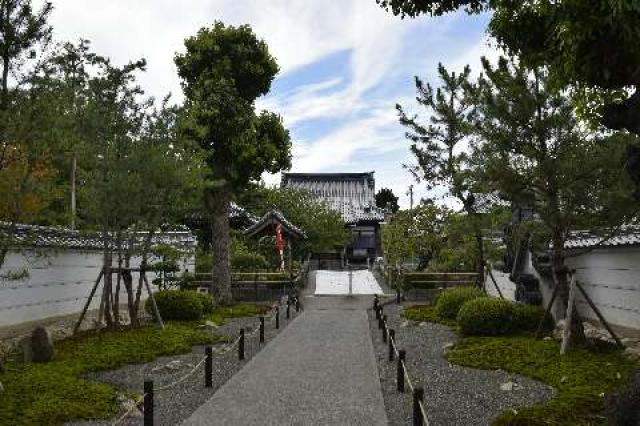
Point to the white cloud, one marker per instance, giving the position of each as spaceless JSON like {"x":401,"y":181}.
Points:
{"x":382,"y":50}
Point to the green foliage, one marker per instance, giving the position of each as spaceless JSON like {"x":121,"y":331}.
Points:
{"x":56,"y":392}
{"x":580,"y":377}
{"x":180,"y":305}
{"x":235,"y":311}
{"x":224,"y":70}
{"x":425,"y":313}
{"x":486,"y":316}
{"x":386,"y":199}
{"x":415,"y":234}
{"x":450,"y":301}
{"x":528,"y":317}
{"x":590,"y":45}
{"x":244,"y":259}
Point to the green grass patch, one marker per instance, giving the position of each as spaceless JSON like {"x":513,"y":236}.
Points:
{"x":425,"y":313}
{"x":582,"y":377}
{"x":52,"y":393}
{"x":235,"y":311}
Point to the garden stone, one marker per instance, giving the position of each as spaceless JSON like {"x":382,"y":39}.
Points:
{"x":25,"y":348}
{"x":508,"y":386}
{"x":632,"y":353}
{"x":629,"y":342}
{"x":41,"y":345}
{"x":448,"y":346}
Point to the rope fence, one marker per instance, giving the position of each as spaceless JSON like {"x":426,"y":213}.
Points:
{"x":242,"y":343}
{"x":419,"y":414}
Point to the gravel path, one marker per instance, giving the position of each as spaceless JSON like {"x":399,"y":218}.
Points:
{"x":454,"y":395}
{"x":174,"y":405}
{"x":320,"y":371}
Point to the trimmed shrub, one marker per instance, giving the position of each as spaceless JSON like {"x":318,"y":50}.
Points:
{"x":207,"y":302}
{"x":248,"y":261}
{"x":486,"y":317}
{"x":527,"y":318}
{"x":449,"y":302}
{"x":178,"y":305}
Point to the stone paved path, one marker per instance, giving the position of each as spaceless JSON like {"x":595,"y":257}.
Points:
{"x":320,"y":370}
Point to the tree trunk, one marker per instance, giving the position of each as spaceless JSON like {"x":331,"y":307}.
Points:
{"x":560,"y":274}
{"x":219,"y":204}
{"x":480,"y":256}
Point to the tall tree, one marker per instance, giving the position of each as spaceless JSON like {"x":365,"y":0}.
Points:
{"x":591,"y":45}
{"x":224,"y":70}
{"x":20,"y":30}
{"x":386,"y":199}
{"x":439,"y":146}
{"x":535,"y":147}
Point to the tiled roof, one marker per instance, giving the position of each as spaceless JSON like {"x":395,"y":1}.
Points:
{"x":52,"y":237}
{"x":269,"y":218}
{"x":627,"y":236}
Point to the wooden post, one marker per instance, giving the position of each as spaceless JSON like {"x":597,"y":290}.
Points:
{"x":148,"y":403}
{"x":153,"y":302}
{"x":392,"y":341}
{"x":566,"y":334}
{"x":208,"y":367}
{"x":261,"y":329}
{"x":495,"y":283}
{"x":384,"y":329}
{"x":88,"y":302}
{"x":241,"y":345}
{"x":402,"y":355}
{"x":599,"y":314}
{"x":418,"y":397}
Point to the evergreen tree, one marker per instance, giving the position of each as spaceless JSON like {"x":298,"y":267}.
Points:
{"x":224,"y":70}
{"x":440,"y":147}
{"x":385,"y":199}
{"x":536,"y":148}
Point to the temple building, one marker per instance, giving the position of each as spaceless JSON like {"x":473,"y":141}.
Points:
{"x":353,"y":196}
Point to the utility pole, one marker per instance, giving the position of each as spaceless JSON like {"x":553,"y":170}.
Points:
{"x":410,"y":194}
{"x":73,"y":192}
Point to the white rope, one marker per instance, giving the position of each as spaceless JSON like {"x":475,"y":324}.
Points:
{"x":129,"y":411}
{"x":424,"y":413}
{"x":185,"y":377}
{"x":406,"y":376}
{"x":393,"y":344}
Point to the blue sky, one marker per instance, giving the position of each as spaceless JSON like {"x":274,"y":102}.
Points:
{"x":344,"y":66}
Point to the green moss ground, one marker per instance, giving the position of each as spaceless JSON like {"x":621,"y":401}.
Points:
{"x":582,"y":378}
{"x":53,"y":393}
{"x":236,"y":311}
{"x":425,"y":313}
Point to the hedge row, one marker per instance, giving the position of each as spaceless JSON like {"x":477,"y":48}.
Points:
{"x":181,"y":305}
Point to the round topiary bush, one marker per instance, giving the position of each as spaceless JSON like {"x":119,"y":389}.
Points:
{"x":178,"y":305}
{"x":486,"y":317}
{"x":449,"y":302}
{"x":527,"y":318}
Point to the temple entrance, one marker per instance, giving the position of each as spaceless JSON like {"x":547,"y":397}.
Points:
{"x":341,"y":283}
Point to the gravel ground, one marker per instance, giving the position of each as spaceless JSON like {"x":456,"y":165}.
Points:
{"x":174,"y":405}
{"x":454,"y":395}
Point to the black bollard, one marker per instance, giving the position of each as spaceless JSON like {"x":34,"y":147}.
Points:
{"x":384,"y":328}
{"x":398,"y":296}
{"x":261,"y":329}
{"x":297,"y":305}
{"x":392,"y":338}
{"x":148,"y":403}
{"x":380,"y":324}
{"x":378,"y":312}
{"x":402,"y":355}
{"x":375,"y":303}
{"x":277,"y":317}
{"x":241,"y":345}
{"x":418,"y":396}
{"x":288,"y":309}
{"x":208,"y":367}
